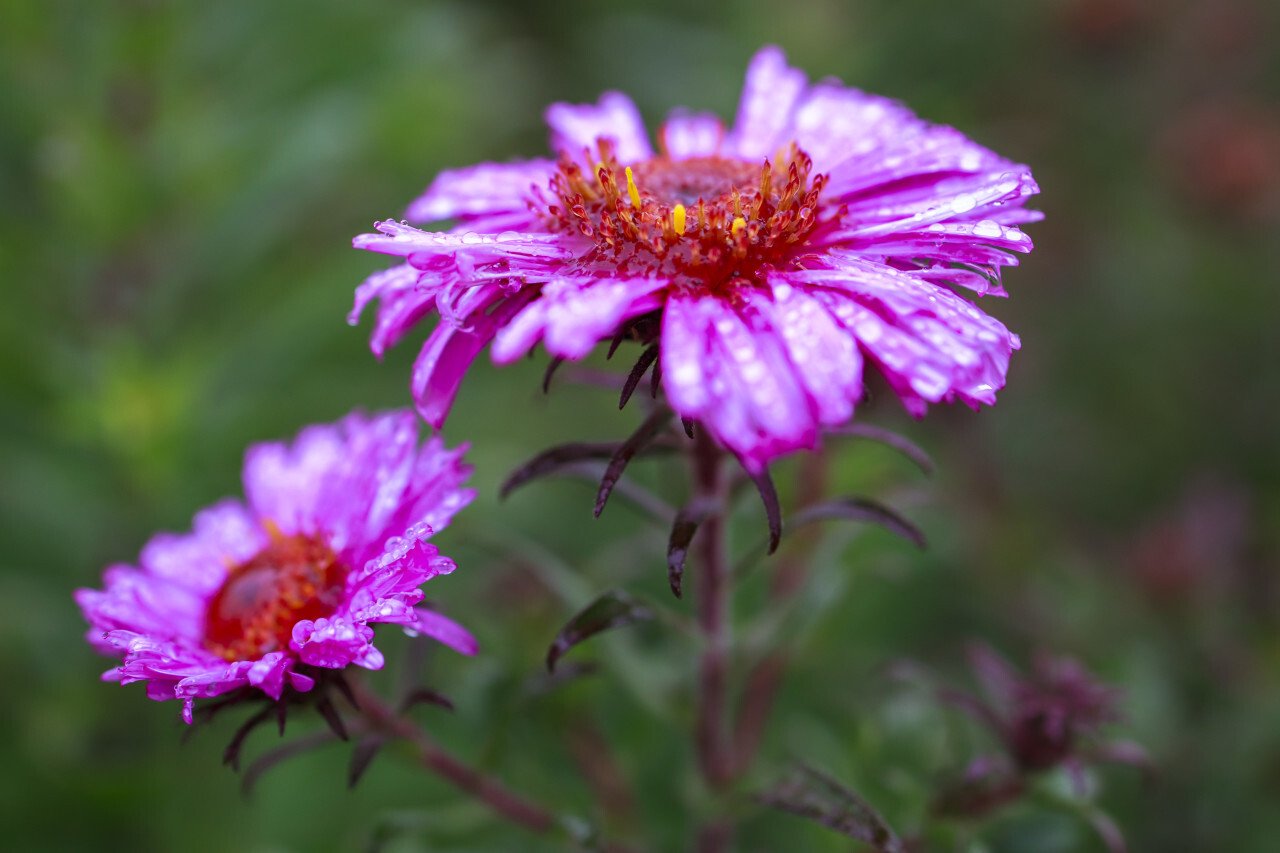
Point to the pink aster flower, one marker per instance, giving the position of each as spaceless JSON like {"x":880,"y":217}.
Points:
{"x":270,"y":592}
{"x":768,"y":263}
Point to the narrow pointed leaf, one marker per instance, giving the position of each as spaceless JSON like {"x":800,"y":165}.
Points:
{"x":611,"y":610}
{"x":340,"y":682}
{"x":639,"y":497}
{"x":682,"y":531}
{"x":231,"y":755}
{"x":861,"y":509}
{"x":362,"y":756}
{"x":265,"y":762}
{"x":552,"y":366}
{"x":811,"y":794}
{"x":618,"y":463}
{"x":772,"y":509}
{"x":618,"y":338}
{"x":637,"y":373}
{"x":899,"y":443}
{"x":423,"y":695}
{"x":332,"y":717}
{"x":555,"y":458}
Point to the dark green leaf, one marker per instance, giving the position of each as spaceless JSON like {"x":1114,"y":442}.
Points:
{"x":629,"y":448}
{"x":265,"y":762}
{"x":891,"y":439}
{"x":637,"y":373}
{"x":362,"y":756}
{"x":555,"y":458}
{"x":810,"y":793}
{"x":332,"y":717}
{"x":860,"y":509}
{"x":423,"y":695}
{"x":682,"y":531}
{"x":611,"y":610}
{"x":231,"y":755}
{"x":772,"y":509}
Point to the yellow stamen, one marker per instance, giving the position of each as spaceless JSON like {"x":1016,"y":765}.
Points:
{"x":631,"y":189}
{"x":737,"y":203}
{"x":738,"y":226}
{"x":677,"y":218}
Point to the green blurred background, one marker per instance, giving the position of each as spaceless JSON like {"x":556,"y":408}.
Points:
{"x":179,"y":183}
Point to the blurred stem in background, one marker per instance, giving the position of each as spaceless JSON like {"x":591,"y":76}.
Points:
{"x":512,"y":806}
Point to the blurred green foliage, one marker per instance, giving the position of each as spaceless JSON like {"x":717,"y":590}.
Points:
{"x":179,"y":183}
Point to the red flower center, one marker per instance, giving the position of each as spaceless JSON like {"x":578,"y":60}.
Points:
{"x":293,"y":578}
{"x":712,"y":219}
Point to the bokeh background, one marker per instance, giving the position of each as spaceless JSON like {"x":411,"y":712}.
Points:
{"x":179,"y":183}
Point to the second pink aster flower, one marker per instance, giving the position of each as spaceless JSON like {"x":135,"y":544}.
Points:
{"x":767,"y":263}
{"x":271,"y":593}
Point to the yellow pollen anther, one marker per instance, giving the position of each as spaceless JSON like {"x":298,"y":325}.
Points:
{"x":631,"y":189}
{"x":738,"y":226}
{"x":677,"y":218}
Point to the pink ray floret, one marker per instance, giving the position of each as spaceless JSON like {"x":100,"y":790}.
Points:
{"x":828,"y":229}
{"x":331,"y":538}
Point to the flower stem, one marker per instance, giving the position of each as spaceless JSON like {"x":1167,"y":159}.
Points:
{"x":711,"y":735}
{"x":510,"y":805}
{"x":766,"y":677}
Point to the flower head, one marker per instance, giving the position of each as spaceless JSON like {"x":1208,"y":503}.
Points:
{"x":768,"y":262}
{"x":1047,"y":719}
{"x":1041,"y":717}
{"x":269,"y":592}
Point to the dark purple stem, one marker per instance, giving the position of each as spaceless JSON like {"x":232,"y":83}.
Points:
{"x":765,"y":678}
{"x":715,"y":757}
{"x":504,"y":801}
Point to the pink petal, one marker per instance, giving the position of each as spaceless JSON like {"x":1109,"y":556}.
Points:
{"x":484,"y":189}
{"x":575,"y":127}
{"x":444,"y":630}
{"x":750,"y":396}
{"x":824,"y":356}
{"x":572,"y":315}
{"x":445,"y":357}
{"x":697,"y":135}
{"x":771,"y":91}
{"x":402,"y":304}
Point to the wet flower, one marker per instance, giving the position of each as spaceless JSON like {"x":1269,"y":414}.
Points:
{"x":766,"y":263}
{"x":271,"y":592}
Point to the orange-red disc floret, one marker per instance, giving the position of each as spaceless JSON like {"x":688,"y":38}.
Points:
{"x":292,"y":578}
{"x":707,"y":220}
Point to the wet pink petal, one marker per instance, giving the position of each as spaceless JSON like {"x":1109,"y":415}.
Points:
{"x":478,"y":190}
{"x":770,"y":93}
{"x":697,"y":135}
{"x":575,"y":127}
{"x":572,"y":314}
